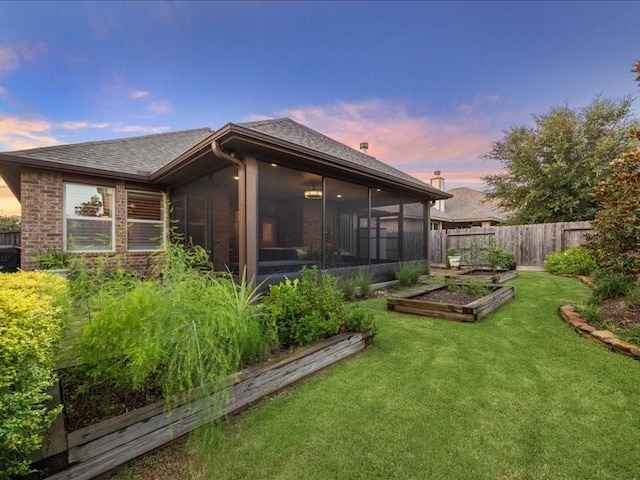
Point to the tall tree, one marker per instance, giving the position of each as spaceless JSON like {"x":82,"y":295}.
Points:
{"x":550,"y":168}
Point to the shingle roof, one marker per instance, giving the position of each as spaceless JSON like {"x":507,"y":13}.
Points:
{"x":461,"y":208}
{"x":298,"y":134}
{"x":133,"y":156}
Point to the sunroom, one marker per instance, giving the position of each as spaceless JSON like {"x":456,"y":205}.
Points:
{"x":273,"y":197}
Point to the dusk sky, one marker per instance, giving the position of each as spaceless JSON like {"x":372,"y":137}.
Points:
{"x":430,"y":85}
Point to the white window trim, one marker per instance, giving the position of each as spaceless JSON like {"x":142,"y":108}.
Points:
{"x":65,"y":247}
{"x":163,"y":220}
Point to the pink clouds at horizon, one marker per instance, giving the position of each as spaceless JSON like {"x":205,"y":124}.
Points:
{"x":417,"y":145}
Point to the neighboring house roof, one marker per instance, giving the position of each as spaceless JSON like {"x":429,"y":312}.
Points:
{"x":478,"y":197}
{"x":466,"y":206}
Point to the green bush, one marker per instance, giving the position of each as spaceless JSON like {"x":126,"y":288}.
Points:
{"x":572,"y":261}
{"x":33,"y":313}
{"x":408,"y":273}
{"x":187,"y":328}
{"x":615,"y":240}
{"x":611,"y":284}
{"x":500,"y":258}
{"x":348,"y":285}
{"x":364,"y":280}
{"x":53,"y":260}
{"x":309,"y":309}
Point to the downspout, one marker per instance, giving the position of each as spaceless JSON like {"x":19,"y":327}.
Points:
{"x":242,"y":205}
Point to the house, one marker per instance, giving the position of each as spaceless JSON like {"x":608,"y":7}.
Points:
{"x":466,"y":208}
{"x":270,"y":196}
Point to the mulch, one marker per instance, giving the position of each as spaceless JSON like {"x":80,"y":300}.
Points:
{"x":616,"y":312}
{"x":446,"y":296}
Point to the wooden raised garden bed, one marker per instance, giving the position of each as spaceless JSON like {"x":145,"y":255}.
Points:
{"x":484,"y":275}
{"x":94,"y":450}
{"x":417,"y":302}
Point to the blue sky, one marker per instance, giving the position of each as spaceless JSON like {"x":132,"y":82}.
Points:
{"x":428,"y":84}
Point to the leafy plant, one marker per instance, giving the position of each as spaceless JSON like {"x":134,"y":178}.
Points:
{"x":499,"y":258}
{"x":33,"y":313}
{"x":364,"y":280}
{"x":571,"y":261}
{"x":311,"y":308}
{"x":591,"y":313}
{"x":472,"y":288}
{"x":408,"y":273}
{"x":615,"y":240}
{"x":610,"y":284}
{"x":187,"y":328}
{"x":53,"y":260}
{"x":348,"y":285}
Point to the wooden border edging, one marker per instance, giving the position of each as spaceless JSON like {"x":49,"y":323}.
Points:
{"x":604,"y":337}
{"x":486,"y":276}
{"x":471,"y":312}
{"x":96,"y":449}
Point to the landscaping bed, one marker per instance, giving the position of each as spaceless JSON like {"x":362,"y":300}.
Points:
{"x":462,"y":302}
{"x":95,"y":449}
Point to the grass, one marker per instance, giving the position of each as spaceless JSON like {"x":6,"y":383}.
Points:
{"x":518,"y":395}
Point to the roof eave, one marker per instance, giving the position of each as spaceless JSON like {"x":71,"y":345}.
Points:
{"x":234,"y":131}
{"x":21,"y":161}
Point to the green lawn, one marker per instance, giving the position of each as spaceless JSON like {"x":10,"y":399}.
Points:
{"x":516,"y":395}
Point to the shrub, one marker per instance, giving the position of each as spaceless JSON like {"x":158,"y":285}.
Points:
{"x":33,"y":313}
{"x":499,"y":258}
{"x":364,"y":280}
{"x":615,"y":240}
{"x":572,"y":261}
{"x":187,"y":328}
{"x":348,"y":285}
{"x":611,"y":284}
{"x":408,"y":273}
{"x":309,"y":309}
{"x":53,"y":260}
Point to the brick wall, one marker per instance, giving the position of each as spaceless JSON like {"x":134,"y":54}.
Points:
{"x":42,"y":221}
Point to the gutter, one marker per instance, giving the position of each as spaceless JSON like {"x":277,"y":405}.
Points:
{"x":242,"y":209}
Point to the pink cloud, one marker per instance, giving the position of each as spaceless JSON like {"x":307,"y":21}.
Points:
{"x":83,"y":125}
{"x":139,"y":94}
{"x":416,"y":144}
{"x":18,"y":133}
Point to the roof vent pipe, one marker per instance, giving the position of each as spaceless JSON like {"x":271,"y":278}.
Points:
{"x":364,"y":147}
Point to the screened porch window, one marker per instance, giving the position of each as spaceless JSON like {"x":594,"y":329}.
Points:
{"x":88,"y":218}
{"x":145,"y":221}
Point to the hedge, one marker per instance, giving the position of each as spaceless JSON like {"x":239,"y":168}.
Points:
{"x":33,"y":313}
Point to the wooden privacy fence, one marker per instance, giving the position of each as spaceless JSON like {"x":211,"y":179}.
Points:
{"x":10,"y":238}
{"x":530,"y":243}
